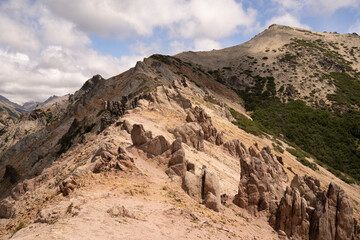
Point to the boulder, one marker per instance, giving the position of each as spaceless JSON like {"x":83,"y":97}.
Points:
{"x":212,"y":202}
{"x":155,"y":146}
{"x":6,"y":209}
{"x":127,"y":126}
{"x":204,"y":188}
{"x":177,"y":163}
{"x":192,"y":185}
{"x":139,"y":136}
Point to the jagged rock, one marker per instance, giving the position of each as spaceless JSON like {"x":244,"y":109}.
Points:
{"x":330,"y":218}
{"x":127,"y":126}
{"x":139,"y":136}
{"x":333,"y":216}
{"x":48,"y":216}
{"x":252,"y":151}
{"x":21,"y":188}
{"x":6,"y":209}
{"x":177,"y":163}
{"x":191,"y":134}
{"x":307,"y":186}
{"x":236,"y":148}
{"x":219,"y":138}
{"x":156,"y":146}
{"x":292,"y":217}
{"x":176,"y":145}
{"x":108,"y":157}
{"x":177,"y":157}
{"x":260,"y":182}
{"x":67,"y":186}
{"x":199,"y":115}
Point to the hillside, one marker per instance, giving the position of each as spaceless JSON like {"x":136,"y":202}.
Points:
{"x":199,"y":145}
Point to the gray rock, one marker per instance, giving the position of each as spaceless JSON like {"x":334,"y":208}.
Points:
{"x":139,"y":136}
{"x":6,"y":209}
{"x":156,"y":146}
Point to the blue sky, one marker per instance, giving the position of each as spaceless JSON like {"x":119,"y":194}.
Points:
{"x":53,"y":46}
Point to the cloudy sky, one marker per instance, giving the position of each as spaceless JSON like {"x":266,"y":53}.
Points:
{"x":51,"y":47}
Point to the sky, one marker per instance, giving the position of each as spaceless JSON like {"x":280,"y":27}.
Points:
{"x":51,"y":47}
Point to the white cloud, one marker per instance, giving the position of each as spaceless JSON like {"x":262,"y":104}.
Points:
{"x":42,"y":55}
{"x":206,"y":44}
{"x":177,"y":47}
{"x":184,"y":18}
{"x":288,"y":20}
{"x":46,"y":47}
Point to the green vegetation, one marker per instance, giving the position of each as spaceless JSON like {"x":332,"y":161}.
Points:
{"x":301,"y":158}
{"x":348,"y":89}
{"x":263,"y":90}
{"x":18,"y":228}
{"x":333,"y":140}
{"x":246,"y":124}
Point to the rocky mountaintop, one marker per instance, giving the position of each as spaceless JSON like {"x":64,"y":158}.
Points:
{"x":185,"y":147}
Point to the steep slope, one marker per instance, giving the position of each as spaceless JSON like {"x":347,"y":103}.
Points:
{"x":156,"y":152}
{"x":283,"y":64}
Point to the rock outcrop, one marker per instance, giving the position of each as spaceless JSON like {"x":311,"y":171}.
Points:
{"x":190,"y":134}
{"x":261,"y":181}
{"x":211,"y":134}
{"x":204,"y":188}
{"x":109,"y":156}
{"x":236,"y":148}
{"x":198,"y":128}
{"x":328,"y":217}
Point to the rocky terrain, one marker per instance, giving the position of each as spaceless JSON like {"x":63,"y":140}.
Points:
{"x":164,"y":150}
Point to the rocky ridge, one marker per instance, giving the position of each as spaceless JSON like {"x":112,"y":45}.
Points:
{"x":165,"y":141}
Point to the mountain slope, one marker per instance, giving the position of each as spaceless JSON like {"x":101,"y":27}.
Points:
{"x":156,"y":151}
{"x":283,"y":64}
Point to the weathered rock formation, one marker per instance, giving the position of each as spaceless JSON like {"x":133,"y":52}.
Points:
{"x":198,"y":128}
{"x":211,"y":134}
{"x":204,"y":188}
{"x":177,"y":163}
{"x":260,"y":182}
{"x":306,"y":212}
{"x":236,"y":148}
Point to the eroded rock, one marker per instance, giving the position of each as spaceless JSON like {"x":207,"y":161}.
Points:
{"x":261,"y":181}
{"x":139,"y":136}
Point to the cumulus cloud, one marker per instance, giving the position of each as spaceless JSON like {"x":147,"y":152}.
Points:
{"x":206,"y":44}
{"x":286,"y":19}
{"x":47,"y":48}
{"x":42,"y":55}
{"x":184,"y":18}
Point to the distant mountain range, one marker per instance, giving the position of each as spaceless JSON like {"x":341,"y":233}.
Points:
{"x":15,"y":109}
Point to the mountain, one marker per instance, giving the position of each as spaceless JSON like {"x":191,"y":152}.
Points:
{"x":256,"y":141}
